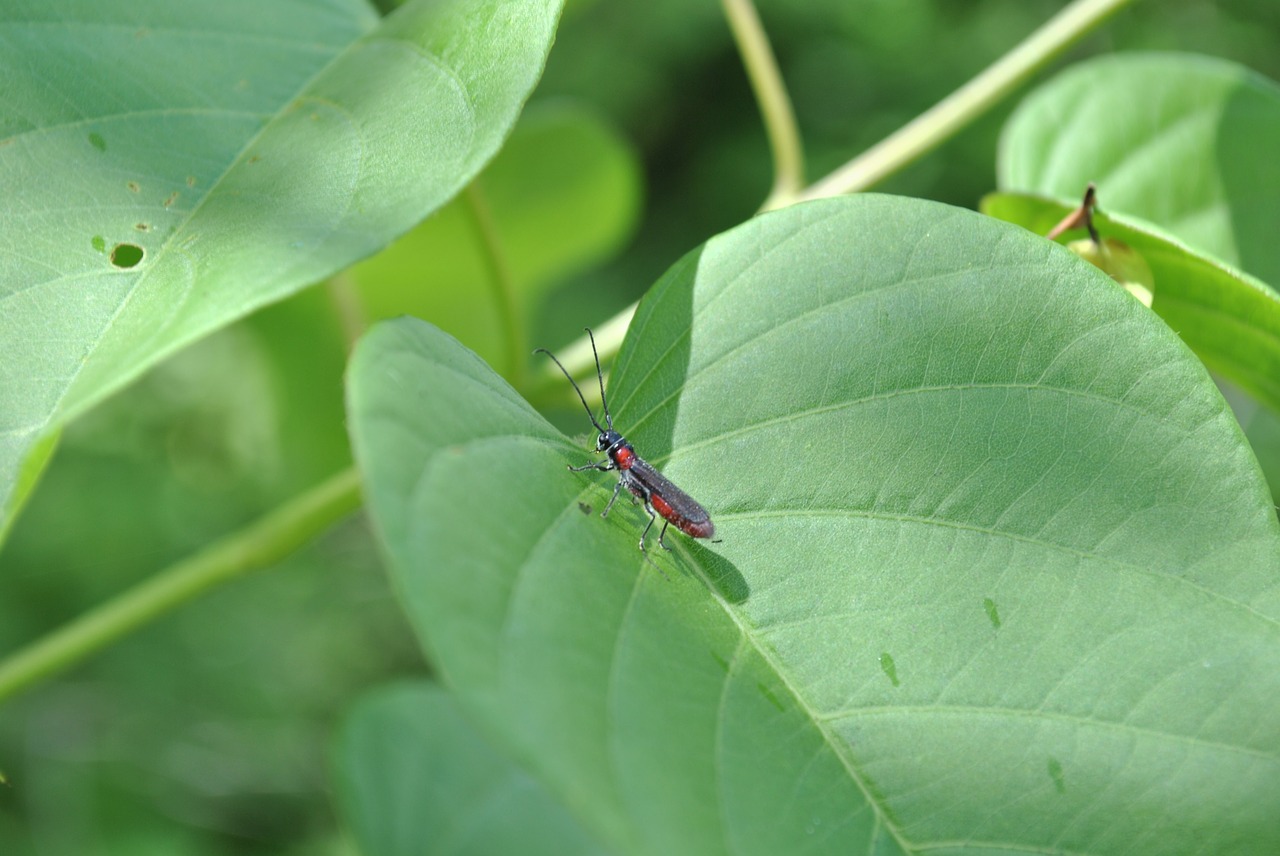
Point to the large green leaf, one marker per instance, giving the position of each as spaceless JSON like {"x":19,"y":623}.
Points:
{"x":998,"y":569}
{"x":561,"y":194}
{"x":416,"y":779}
{"x":1229,"y":318}
{"x":244,"y":149}
{"x":1186,"y":142}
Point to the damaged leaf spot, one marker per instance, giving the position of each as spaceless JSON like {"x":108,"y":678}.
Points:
{"x":126,"y":255}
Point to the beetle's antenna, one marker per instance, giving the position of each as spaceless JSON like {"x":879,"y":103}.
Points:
{"x":590,"y":415}
{"x":608,"y":420}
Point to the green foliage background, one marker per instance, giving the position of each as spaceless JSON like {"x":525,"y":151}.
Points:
{"x":206,"y":732}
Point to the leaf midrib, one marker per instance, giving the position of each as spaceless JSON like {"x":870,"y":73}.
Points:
{"x":837,"y":746}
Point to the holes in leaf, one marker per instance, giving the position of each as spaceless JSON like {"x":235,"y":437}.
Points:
{"x":126,"y":255}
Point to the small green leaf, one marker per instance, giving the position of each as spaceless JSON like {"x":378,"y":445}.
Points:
{"x":415,"y":778}
{"x":1185,"y":142}
{"x":1231,"y":320}
{"x":905,"y":419}
{"x":231,"y":153}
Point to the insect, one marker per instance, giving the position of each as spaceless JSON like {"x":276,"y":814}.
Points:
{"x":659,"y":495}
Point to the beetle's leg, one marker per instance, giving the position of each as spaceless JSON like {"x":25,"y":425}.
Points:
{"x":617,"y":487}
{"x":661,"y":543}
{"x":603,"y":466}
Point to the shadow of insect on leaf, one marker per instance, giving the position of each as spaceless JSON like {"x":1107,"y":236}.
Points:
{"x":584,"y":508}
{"x":722,"y":574}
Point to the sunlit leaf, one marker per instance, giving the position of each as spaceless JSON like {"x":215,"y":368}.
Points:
{"x":1185,"y":142}
{"x":169,"y":167}
{"x":1229,"y":318}
{"x":998,"y":570}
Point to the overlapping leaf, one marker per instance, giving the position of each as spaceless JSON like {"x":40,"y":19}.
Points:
{"x":242,"y":151}
{"x":418,"y":780}
{"x":562,"y":193}
{"x":1229,"y":318}
{"x":998,"y":570}
{"x":1182,"y":141}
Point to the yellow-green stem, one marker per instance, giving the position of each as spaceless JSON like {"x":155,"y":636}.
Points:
{"x":775,"y":104}
{"x":945,"y":119}
{"x":501,"y":280}
{"x":579,"y":362}
{"x":262,"y":544}
{"x":345,"y":298}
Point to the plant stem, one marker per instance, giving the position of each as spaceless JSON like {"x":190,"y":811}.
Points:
{"x":260,"y":545}
{"x":341,"y":289}
{"x":931,"y":128}
{"x":914,"y":139}
{"x":502,"y":281}
{"x":775,"y":104}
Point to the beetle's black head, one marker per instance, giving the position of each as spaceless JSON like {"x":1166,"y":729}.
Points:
{"x":607,"y":440}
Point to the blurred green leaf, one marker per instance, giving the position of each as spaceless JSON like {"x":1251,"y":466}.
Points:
{"x":1261,"y":425}
{"x":245,"y":150}
{"x":304,"y":343}
{"x":1230,"y":319}
{"x":1182,"y":141}
{"x":998,"y":566}
{"x":563,"y":194}
{"x":415,"y":778}
{"x":29,"y":472}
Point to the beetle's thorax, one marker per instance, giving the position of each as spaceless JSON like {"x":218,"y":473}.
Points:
{"x":617,"y":448}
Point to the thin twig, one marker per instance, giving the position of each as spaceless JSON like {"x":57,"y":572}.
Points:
{"x":260,"y":545}
{"x":775,"y":104}
{"x":945,"y":119}
{"x":501,"y":280}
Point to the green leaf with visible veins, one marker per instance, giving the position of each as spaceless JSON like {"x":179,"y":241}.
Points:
{"x":998,"y":570}
{"x":244,"y":150}
{"x":1185,"y":142}
{"x":416,"y":779}
{"x":1230,"y":319}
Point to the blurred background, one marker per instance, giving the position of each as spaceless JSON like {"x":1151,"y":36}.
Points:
{"x":206,"y":732}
